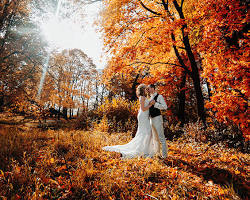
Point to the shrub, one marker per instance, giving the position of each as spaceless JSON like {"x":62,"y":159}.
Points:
{"x":85,"y":120}
{"x":119,"y":114}
{"x":230,"y":136}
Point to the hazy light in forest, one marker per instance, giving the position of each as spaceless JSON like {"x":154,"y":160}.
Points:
{"x":63,"y":33}
{"x":67,"y":33}
{"x":45,"y":66}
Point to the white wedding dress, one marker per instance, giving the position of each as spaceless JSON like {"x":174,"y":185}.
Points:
{"x":143,"y":144}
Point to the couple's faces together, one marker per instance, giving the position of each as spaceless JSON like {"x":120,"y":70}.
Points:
{"x":149,"y":90}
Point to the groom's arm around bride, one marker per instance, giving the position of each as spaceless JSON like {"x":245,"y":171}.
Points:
{"x":160,"y":103}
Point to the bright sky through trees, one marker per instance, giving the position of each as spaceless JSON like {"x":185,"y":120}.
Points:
{"x":67,"y":34}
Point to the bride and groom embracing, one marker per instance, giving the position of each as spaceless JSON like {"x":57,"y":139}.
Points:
{"x":150,"y":132}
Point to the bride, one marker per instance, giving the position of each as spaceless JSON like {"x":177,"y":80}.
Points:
{"x":144,"y":143}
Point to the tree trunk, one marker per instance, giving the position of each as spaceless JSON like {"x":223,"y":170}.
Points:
{"x":65,"y":113}
{"x":135,"y":83}
{"x":97,"y":94}
{"x":1,"y":102}
{"x":195,"y":71}
{"x":182,"y":100}
{"x":199,"y":98}
{"x":59,"y":111}
{"x":196,"y":80}
{"x":70,"y":113}
{"x":78,"y":112}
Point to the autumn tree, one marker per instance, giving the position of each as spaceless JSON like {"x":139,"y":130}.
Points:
{"x":173,"y":38}
{"x":122,"y":84}
{"x":21,"y":55}
{"x":224,"y":49}
{"x":23,"y":49}
{"x":146,"y":33}
{"x":70,"y":81}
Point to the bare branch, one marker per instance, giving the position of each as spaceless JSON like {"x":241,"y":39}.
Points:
{"x":14,"y":52}
{"x":161,"y":63}
{"x":143,"y":35}
{"x":21,"y":53}
{"x":148,"y":9}
{"x":165,"y":4}
{"x":140,"y":38}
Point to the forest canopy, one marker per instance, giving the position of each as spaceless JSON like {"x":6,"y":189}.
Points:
{"x":191,"y":49}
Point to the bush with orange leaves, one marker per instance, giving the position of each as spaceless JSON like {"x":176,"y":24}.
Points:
{"x":117,"y":115}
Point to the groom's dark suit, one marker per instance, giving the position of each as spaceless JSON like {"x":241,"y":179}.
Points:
{"x":154,"y":112}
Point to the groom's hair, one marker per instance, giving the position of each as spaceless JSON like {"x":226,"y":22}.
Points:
{"x":152,"y":86}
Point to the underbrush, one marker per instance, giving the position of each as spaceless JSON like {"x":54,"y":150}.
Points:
{"x":71,"y":165}
{"x":116,"y":115}
{"x":120,"y":115}
{"x":215,"y":133}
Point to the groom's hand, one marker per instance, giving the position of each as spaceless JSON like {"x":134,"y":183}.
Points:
{"x":152,"y":102}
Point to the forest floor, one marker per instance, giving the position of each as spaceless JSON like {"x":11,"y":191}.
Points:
{"x":70,"y":164}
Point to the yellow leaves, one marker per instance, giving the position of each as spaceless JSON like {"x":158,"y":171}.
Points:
{"x":52,"y":161}
{"x":107,"y":176}
{"x":221,"y":191}
{"x":1,"y":173}
{"x":103,"y":125}
{"x":175,"y":197}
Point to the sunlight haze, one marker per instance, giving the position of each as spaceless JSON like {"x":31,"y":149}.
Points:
{"x":66,"y":34}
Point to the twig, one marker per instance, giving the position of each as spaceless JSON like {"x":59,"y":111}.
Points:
{"x":151,"y":196}
{"x":148,"y":9}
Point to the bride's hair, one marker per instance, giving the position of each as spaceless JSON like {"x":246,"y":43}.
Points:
{"x":140,"y":91}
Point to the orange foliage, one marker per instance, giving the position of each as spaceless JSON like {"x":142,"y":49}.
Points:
{"x":117,"y":115}
{"x":164,"y":39}
{"x":70,"y":79}
{"x":224,"y":47}
{"x":71,"y":165}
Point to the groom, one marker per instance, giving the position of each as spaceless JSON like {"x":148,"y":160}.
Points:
{"x":156,"y":117}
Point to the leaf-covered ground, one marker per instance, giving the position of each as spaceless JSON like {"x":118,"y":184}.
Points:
{"x":71,"y":165}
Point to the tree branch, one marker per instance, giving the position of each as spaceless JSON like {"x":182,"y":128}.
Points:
{"x":182,"y":4}
{"x":126,"y":28}
{"x":156,"y":63}
{"x":92,"y":1}
{"x":140,"y":38}
{"x":148,"y":9}
{"x":162,"y":63}
{"x":165,"y":4}
{"x":181,"y":48}
{"x":179,"y":57}
{"x":179,"y":9}
{"x":23,"y":54}
{"x":14,"y":52}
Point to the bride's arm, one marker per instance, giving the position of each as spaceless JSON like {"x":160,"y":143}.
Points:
{"x":142,"y":104}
